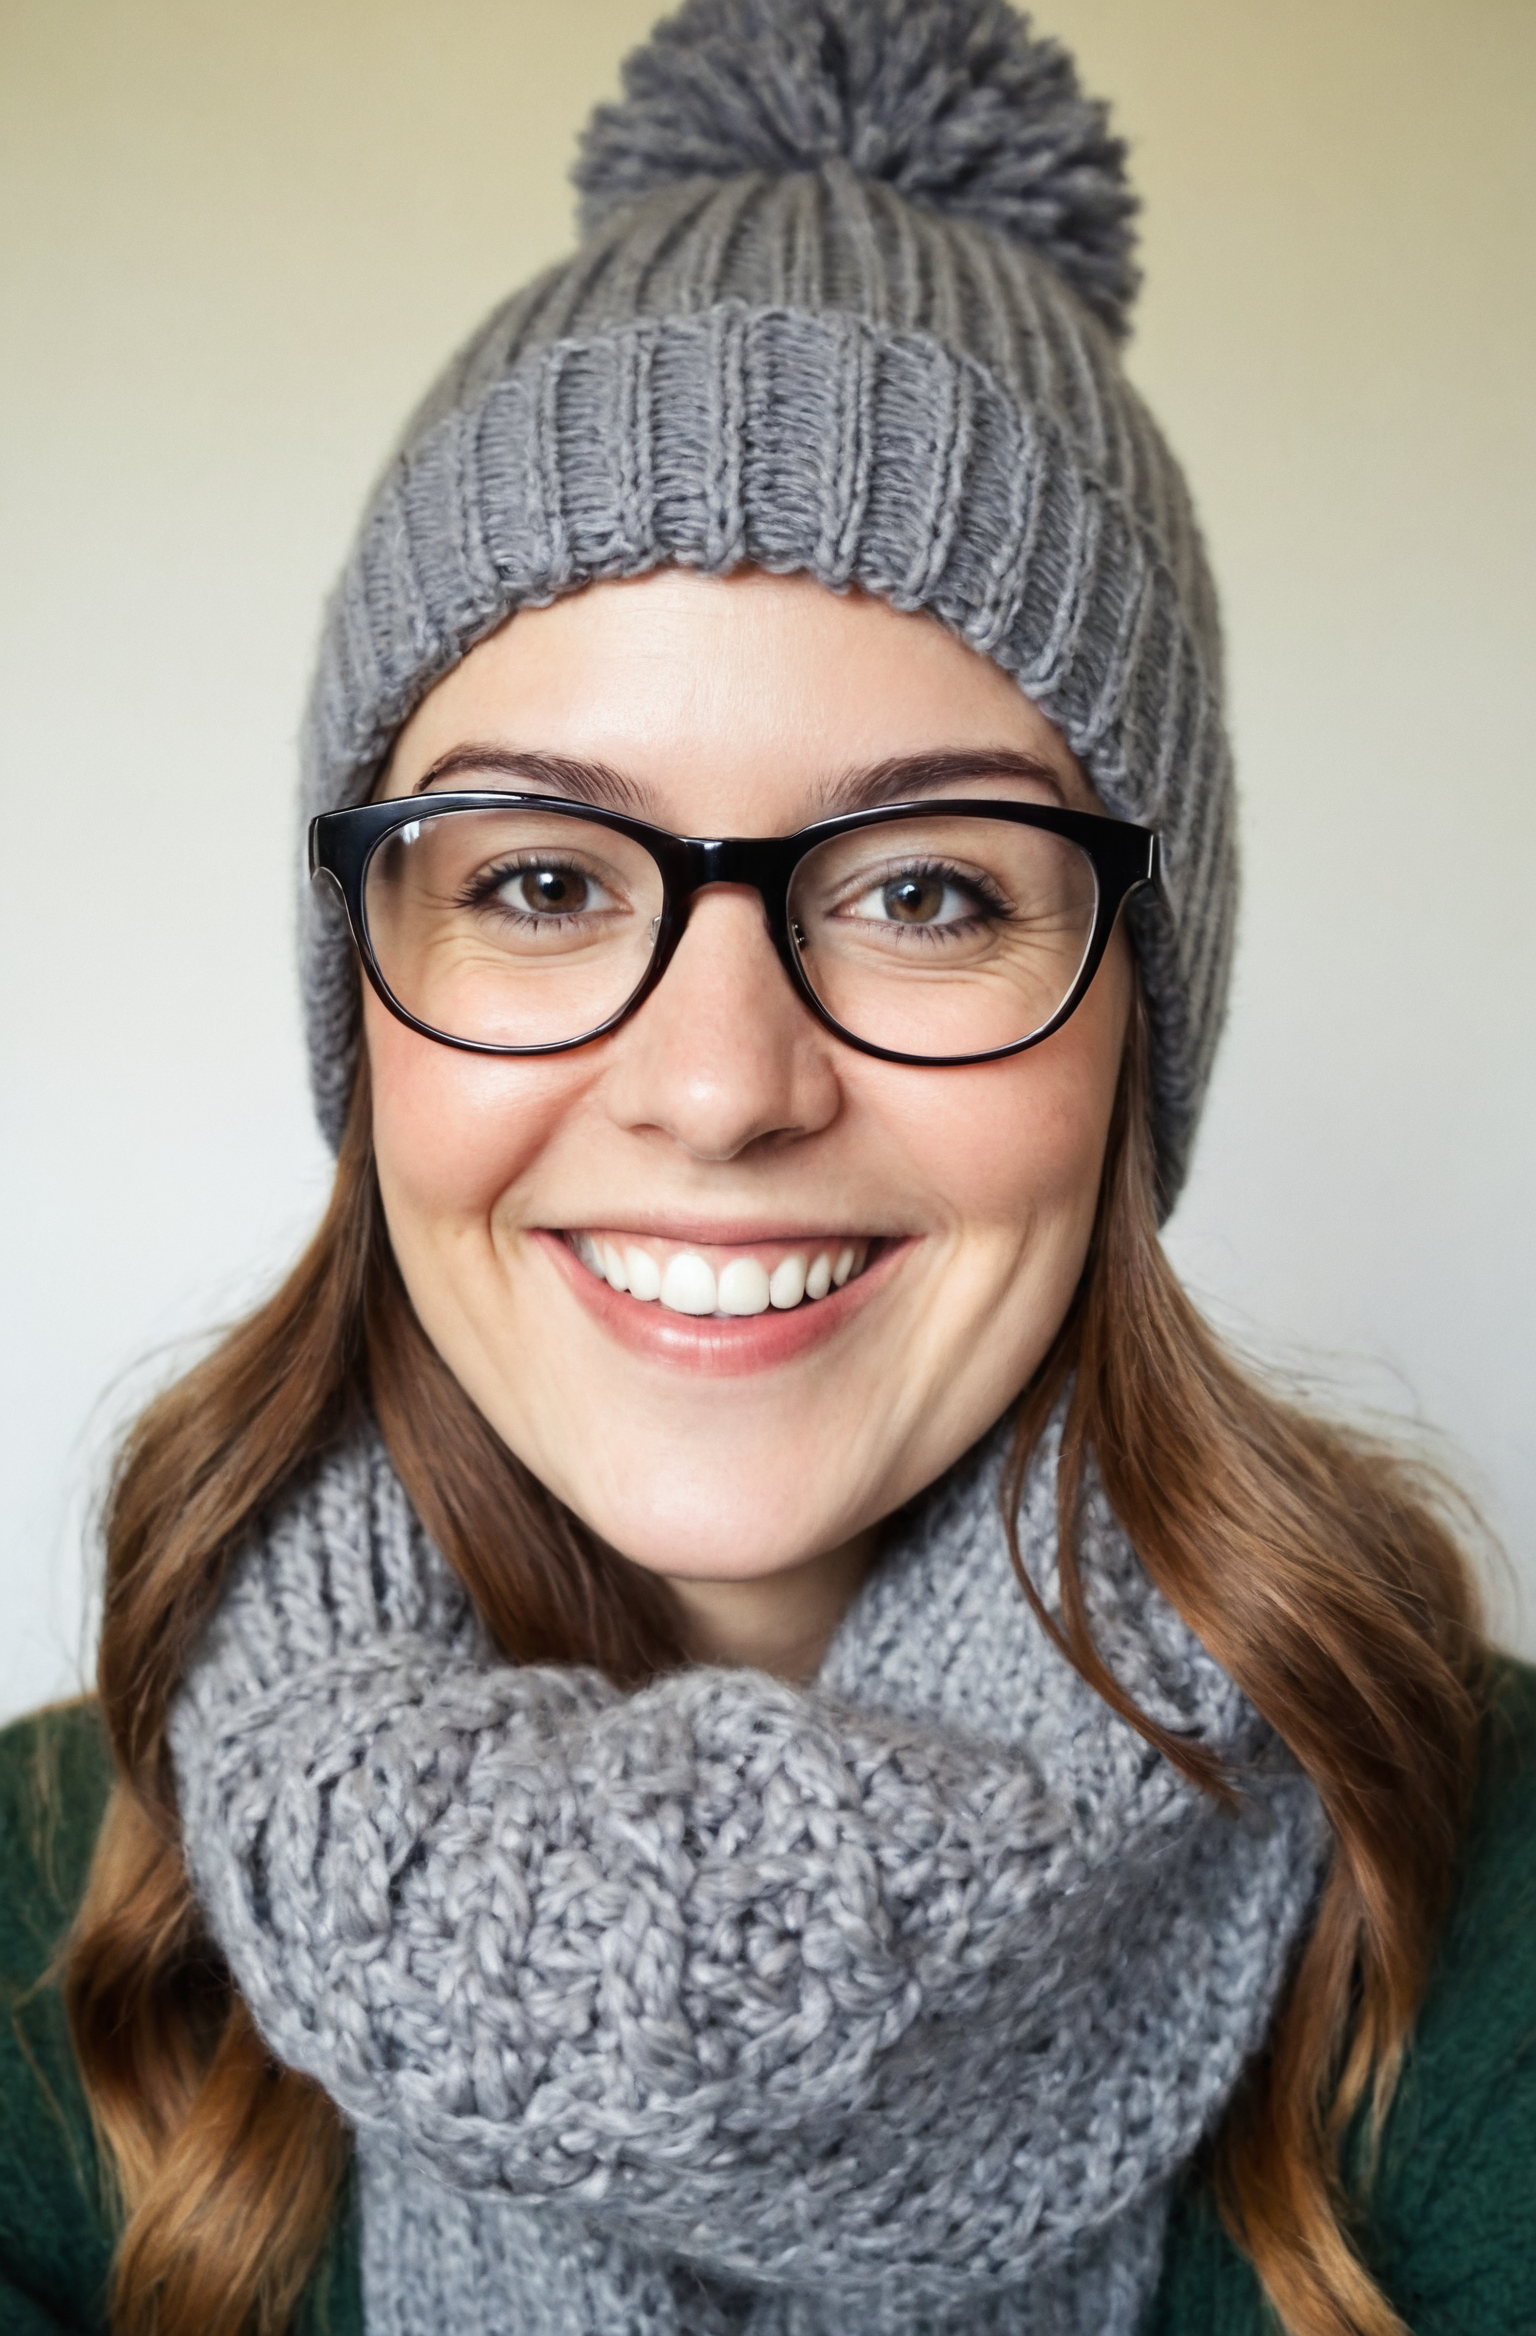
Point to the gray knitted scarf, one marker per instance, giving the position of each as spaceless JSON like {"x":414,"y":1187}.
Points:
{"x":887,"y":2006}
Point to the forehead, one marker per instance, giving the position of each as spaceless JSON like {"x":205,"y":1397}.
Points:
{"x":736,"y":704}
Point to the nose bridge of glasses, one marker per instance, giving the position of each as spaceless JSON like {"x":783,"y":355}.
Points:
{"x":760,"y":864}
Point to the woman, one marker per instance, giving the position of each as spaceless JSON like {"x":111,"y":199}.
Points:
{"x":726,"y":1714}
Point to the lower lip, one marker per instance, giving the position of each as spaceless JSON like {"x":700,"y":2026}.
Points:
{"x":724,"y":1346}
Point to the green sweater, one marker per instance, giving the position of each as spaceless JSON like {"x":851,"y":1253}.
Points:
{"x":1451,"y":2228}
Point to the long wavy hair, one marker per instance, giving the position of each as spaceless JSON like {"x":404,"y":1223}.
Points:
{"x":1322,"y":1570}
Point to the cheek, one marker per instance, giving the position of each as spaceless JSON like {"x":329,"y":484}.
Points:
{"x":452,"y":1131}
{"x":1015,"y":1148}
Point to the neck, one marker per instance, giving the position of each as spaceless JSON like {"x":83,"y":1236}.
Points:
{"x":782,"y":1622}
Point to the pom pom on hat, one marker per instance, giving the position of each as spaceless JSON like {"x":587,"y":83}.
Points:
{"x":954,"y":103}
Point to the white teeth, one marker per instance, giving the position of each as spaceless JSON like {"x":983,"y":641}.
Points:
{"x":744,"y":1287}
{"x":786,"y":1284}
{"x":688,"y":1285}
{"x":643,"y":1273}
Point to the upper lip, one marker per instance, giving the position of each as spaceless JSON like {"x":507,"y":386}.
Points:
{"x":743,"y":1233}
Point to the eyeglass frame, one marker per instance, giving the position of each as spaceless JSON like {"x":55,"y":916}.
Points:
{"x":1123,"y":855}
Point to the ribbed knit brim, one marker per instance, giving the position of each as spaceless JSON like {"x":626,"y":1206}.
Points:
{"x":812,"y":373}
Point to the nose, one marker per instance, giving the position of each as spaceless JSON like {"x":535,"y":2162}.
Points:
{"x":723,"y":1054}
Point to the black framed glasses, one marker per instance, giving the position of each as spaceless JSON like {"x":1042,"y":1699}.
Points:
{"x":928,"y":932}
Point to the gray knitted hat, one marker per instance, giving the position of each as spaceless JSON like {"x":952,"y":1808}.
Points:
{"x":852,"y":281}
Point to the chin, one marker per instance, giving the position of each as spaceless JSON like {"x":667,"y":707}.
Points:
{"x":722,"y":1531}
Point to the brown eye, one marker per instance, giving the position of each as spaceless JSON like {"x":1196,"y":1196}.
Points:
{"x":547,"y":891}
{"x":935,"y":899}
{"x":914,"y":900}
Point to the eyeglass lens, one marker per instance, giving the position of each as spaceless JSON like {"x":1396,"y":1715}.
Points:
{"x":943,"y":936}
{"x":931,"y":937}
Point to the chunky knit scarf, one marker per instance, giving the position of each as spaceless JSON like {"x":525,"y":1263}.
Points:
{"x":891,"y":2005}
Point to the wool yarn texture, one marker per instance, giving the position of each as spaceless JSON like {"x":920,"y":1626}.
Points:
{"x":849,"y":302}
{"x":894,"y":2002}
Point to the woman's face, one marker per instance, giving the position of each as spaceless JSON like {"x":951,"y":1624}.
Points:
{"x":722,"y":1121}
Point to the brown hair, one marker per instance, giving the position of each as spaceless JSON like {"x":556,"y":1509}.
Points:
{"x":1318,"y":1567}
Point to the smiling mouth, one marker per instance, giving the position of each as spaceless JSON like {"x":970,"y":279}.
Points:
{"x":768,"y":1275}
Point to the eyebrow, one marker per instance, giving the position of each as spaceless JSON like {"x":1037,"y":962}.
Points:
{"x":585,"y":782}
{"x":916,"y":775}
{"x":901,"y":778}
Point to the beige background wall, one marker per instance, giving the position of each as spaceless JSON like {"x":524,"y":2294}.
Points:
{"x":236,"y":241}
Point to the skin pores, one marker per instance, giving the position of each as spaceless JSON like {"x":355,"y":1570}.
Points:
{"x":748,"y":1460}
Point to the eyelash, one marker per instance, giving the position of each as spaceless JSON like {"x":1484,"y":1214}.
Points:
{"x":491,"y":880}
{"x":990,"y":900}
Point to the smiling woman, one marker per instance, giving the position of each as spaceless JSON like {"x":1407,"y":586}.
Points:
{"x":936,"y":1217}
{"x":726,"y":1714}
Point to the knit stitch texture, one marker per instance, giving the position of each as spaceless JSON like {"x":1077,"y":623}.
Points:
{"x":849,"y":305}
{"x":897,"y":2002}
